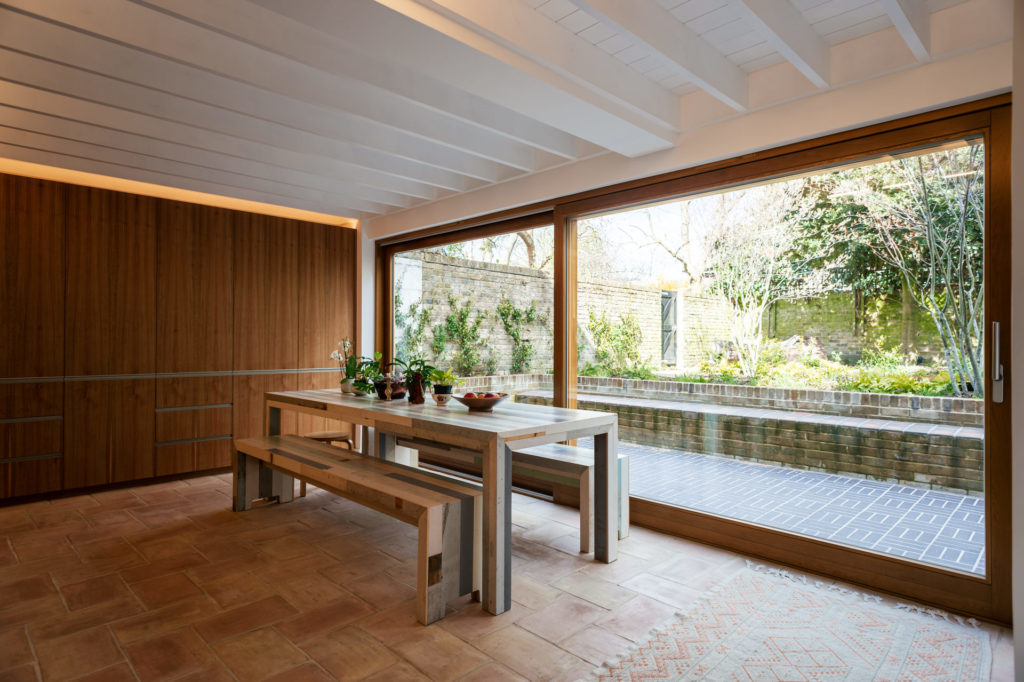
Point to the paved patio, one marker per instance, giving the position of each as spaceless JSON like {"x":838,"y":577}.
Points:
{"x":939,"y":528}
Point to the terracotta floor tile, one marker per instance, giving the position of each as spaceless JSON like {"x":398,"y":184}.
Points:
{"x":347,"y":547}
{"x":635,"y":619}
{"x":526,"y":653}
{"x":29,"y":549}
{"x":284,"y":548}
{"x":307,"y":672}
{"x":259,"y":654}
{"x":14,"y":648}
{"x":601,"y":592}
{"x":309,"y":591}
{"x":531,"y":593}
{"x":25,"y":590}
{"x":7,"y":555}
{"x":77,"y":654}
{"x":273,"y":571}
{"x":620,"y":570}
{"x":330,"y":616}
{"x":472,"y":622}
{"x":165,"y":619}
{"x":23,"y":673}
{"x":165,"y":589}
{"x":596,"y":645}
{"x":394,"y":623}
{"x":61,"y":624}
{"x":162,"y":547}
{"x":380,"y":590}
{"x":94,"y":591}
{"x":205,"y":574}
{"x":561,"y":618}
{"x":492,"y":672}
{"x":213,"y":673}
{"x":110,"y":554}
{"x":438,"y":654}
{"x":245,"y":618}
{"x":105,"y":532}
{"x":353,"y":568}
{"x":164,"y":566}
{"x":349,"y":654}
{"x":119,"y":672}
{"x":663,"y":590}
{"x":63,"y":517}
{"x":237,"y":588}
{"x":223,"y":550}
{"x":399,"y":672}
{"x":15,"y":520}
{"x":169,"y":656}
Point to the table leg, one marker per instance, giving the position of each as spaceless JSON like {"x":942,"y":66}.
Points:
{"x":274,"y":484}
{"x":606,"y":495}
{"x":497,"y":555}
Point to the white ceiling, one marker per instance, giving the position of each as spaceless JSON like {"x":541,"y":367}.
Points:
{"x":360,"y":108}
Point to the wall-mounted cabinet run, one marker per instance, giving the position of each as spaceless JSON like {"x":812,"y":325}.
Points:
{"x":138,"y":332}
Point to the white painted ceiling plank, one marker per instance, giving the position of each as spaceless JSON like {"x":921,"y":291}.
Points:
{"x":374,"y":164}
{"x":186,"y":42}
{"x":646,"y":22}
{"x":913,"y":23}
{"x":55,"y":145}
{"x":632,"y":116}
{"x":90,"y":165}
{"x":785,"y":28}
{"x":121,"y":140}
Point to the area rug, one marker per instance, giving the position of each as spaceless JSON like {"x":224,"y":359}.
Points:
{"x":766,"y":624}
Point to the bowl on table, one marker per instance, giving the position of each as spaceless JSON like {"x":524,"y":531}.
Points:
{"x":478,"y":402}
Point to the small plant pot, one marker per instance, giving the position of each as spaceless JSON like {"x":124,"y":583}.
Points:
{"x":397,"y":389}
{"x":415,"y":386}
{"x":442,"y":398}
{"x":442,"y":389}
{"x":347,"y":387}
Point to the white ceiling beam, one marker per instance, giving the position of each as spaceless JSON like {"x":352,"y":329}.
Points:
{"x":785,"y":29}
{"x":285,"y":36}
{"x":387,"y":171}
{"x":631,"y":116}
{"x":65,"y":128}
{"x":648,"y":23}
{"x":157,"y":104}
{"x":476,"y":152}
{"x":912,"y":19}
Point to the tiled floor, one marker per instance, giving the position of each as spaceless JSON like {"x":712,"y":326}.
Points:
{"x":164,"y":582}
{"x":940,"y":528}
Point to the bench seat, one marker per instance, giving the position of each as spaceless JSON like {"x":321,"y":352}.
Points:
{"x":558,"y":464}
{"x":447,"y":511}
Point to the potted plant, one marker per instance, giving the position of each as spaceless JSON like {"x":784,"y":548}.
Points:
{"x":375,"y":376}
{"x":350,"y":365}
{"x":444,"y":381}
{"x":418,"y":376}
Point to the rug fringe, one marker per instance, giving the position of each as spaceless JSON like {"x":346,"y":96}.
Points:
{"x":832,"y":587}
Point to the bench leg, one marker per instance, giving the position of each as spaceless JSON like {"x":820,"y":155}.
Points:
{"x":587,"y":510}
{"x":623,"y":498}
{"x":447,"y":558}
{"x":245,"y":480}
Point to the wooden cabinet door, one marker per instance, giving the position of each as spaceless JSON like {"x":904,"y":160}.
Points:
{"x":266,"y":294}
{"x":31,"y":438}
{"x":193,"y":288}
{"x":111,"y":283}
{"x":249,"y":402}
{"x":327,"y":291}
{"x":32,"y":277}
{"x":109,"y":431}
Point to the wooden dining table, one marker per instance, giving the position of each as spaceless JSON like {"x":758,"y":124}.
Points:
{"x":488,"y":434}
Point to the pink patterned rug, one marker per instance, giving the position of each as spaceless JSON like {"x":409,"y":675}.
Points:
{"x":769,"y":625}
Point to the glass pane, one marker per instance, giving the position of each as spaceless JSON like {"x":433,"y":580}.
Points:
{"x":481,"y":309}
{"x":804,"y":354}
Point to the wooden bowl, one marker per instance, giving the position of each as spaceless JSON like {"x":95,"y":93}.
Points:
{"x":480,"y":404}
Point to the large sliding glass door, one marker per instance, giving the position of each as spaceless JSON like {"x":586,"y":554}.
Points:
{"x":799,"y":347}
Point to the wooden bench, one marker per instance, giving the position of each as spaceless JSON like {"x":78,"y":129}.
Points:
{"x":447,"y":511}
{"x":557,"y":464}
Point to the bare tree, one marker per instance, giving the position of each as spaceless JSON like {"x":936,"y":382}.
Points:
{"x":928,"y":215}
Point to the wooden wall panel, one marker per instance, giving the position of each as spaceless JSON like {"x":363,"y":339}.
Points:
{"x":248,"y":402}
{"x":307,"y":423}
{"x":109,"y":429}
{"x":194,"y":288}
{"x":327,"y":304}
{"x":111,"y":283}
{"x":35,"y":399}
{"x":31,"y":277}
{"x":266,"y":293}
{"x":189,"y":391}
{"x":191,"y":424}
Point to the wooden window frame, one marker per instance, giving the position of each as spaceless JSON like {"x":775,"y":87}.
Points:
{"x":985,"y":597}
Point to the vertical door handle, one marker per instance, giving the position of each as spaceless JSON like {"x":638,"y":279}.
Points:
{"x":997,"y":365}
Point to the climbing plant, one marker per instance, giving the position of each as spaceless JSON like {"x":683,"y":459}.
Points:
{"x":461,"y":328}
{"x":515,"y":320}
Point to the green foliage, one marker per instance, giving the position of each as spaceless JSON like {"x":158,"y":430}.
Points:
{"x":442,"y":377}
{"x":616,"y":348}
{"x":514,"y":319}
{"x":462,"y":329}
{"x":410,"y":326}
{"x":883,"y":358}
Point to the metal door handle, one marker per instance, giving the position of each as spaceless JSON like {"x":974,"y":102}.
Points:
{"x":997,"y":365}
